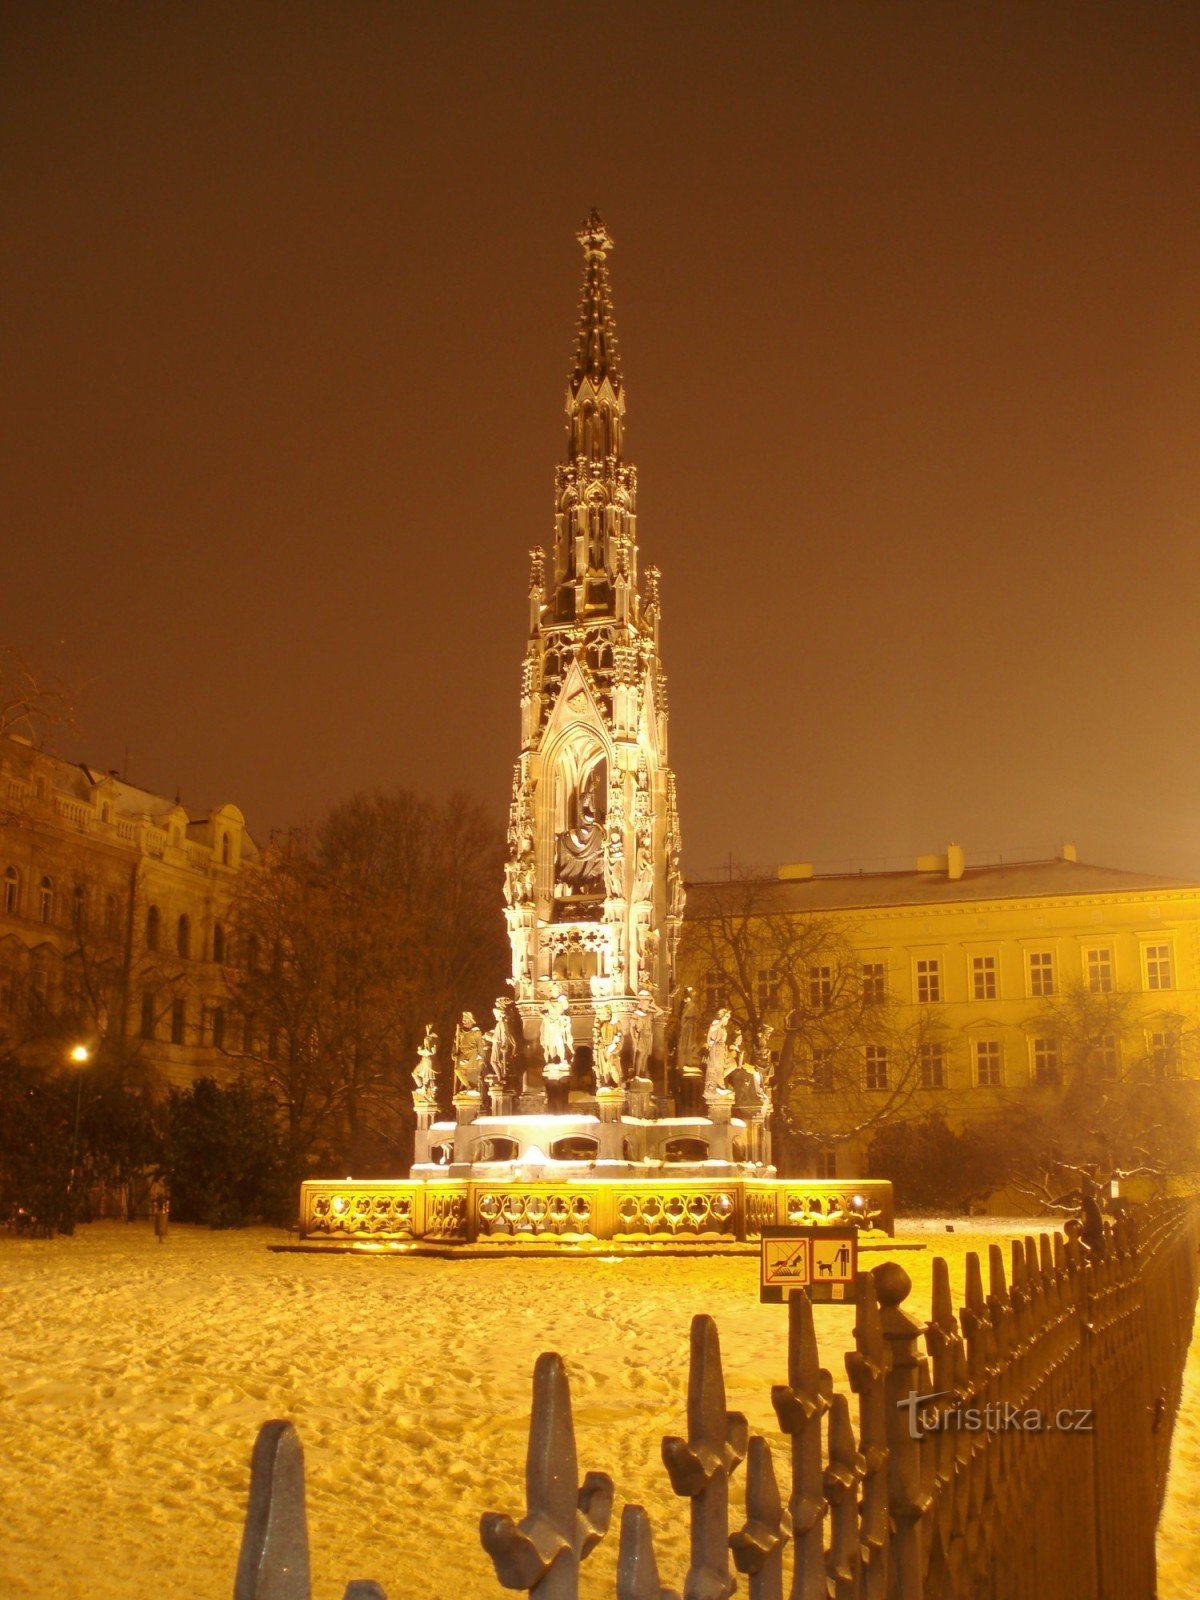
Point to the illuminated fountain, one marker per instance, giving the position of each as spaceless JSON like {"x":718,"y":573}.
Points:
{"x":563,"y":1127}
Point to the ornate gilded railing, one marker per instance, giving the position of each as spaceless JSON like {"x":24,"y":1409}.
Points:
{"x":580,"y":1210}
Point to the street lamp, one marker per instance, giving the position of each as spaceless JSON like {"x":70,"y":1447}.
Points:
{"x":79,"y":1056}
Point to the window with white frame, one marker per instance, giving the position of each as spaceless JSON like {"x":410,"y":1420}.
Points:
{"x":1041,"y":973}
{"x":1158,"y":967}
{"x":1098,"y":967}
{"x":826,"y":1161}
{"x":929,"y":979}
{"x":983,"y":977}
{"x":987,"y":1063}
{"x":874,"y":983}
{"x":1044,"y":1059}
{"x":875,"y":1066}
{"x":1162,"y":1048}
{"x":766,"y":989}
{"x":1108,"y":1055}
{"x":933,"y":1065}
{"x":822,"y":1069}
{"x":820,"y":987}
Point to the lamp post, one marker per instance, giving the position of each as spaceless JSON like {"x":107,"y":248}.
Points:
{"x":79,"y":1057}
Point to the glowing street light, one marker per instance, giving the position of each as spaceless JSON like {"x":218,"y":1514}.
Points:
{"x":79,"y":1056}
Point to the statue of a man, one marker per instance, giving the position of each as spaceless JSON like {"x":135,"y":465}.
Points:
{"x":555,"y":1037}
{"x":714,"y":1076}
{"x":606,"y":1049}
{"x":501,"y":1046}
{"x":641,"y":1034}
{"x":685,"y":1039}
{"x":468,"y":1054}
{"x":425,"y":1072}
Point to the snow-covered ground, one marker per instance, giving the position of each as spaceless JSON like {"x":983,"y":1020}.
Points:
{"x":134,"y":1376}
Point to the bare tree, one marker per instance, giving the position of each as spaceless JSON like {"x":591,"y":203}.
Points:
{"x":354,"y":935}
{"x":848,"y":1059}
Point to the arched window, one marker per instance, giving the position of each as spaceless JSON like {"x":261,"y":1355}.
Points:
{"x":79,"y":908}
{"x":183,"y":935}
{"x":112,"y":916}
{"x":218,"y":941}
{"x":224,"y":849}
{"x":12,"y":891}
{"x":46,"y":900}
{"x":152,"y":922}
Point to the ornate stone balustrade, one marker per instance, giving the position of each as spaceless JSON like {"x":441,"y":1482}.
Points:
{"x":581,"y":1210}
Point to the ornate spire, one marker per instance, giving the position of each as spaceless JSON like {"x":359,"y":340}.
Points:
{"x":596,"y":356}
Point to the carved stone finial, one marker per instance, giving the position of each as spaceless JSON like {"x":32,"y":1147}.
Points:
{"x":594,"y":236}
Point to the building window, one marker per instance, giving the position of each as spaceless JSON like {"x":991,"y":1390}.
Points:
{"x":874,"y":983}
{"x":46,"y":900}
{"x":178,"y":1016}
{"x":12,"y":891}
{"x":715,"y":990}
{"x":1158,"y":967}
{"x":152,"y":925}
{"x":822,"y":1070}
{"x":929,"y":980}
{"x":224,"y":849}
{"x":987,"y":1063}
{"x":933,"y":1065}
{"x":767,"y":989}
{"x":149,"y":1011}
{"x":183,"y":935}
{"x":1099,"y":970}
{"x":1108,"y":1055}
{"x":79,"y":908}
{"x":112,"y":916}
{"x":1041,"y":972}
{"x":820,"y":987}
{"x":1163,"y":1051}
{"x":875,"y":1066}
{"x":218,"y":1028}
{"x":218,"y":941}
{"x":826,"y":1160}
{"x":1045,"y":1061}
{"x":983,"y":977}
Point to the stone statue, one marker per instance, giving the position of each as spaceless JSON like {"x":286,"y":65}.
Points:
{"x":425,"y":1072}
{"x":501,"y":1044}
{"x":468,"y":1055}
{"x":555,"y":1037}
{"x":606,"y":1050}
{"x":714,"y":1076}
{"x":614,"y":862}
{"x":685,"y":1038}
{"x":641,"y":1034}
{"x":643,"y":880}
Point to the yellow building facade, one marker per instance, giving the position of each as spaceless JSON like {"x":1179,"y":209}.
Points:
{"x":984,"y":978}
{"x":116,"y":912}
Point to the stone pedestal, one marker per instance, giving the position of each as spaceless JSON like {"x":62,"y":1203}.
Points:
{"x":466,"y":1109}
{"x":690,"y":1103}
{"x":502,"y":1103}
{"x":640,"y":1097}
{"x":720,"y":1113}
{"x":426,"y":1112}
{"x":558,"y":1095}
{"x":609,"y":1105}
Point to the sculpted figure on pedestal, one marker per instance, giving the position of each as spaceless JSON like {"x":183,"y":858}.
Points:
{"x":715,"y":1064}
{"x":425,"y":1072}
{"x":468,"y":1054}
{"x":555,"y":1037}
{"x":641,"y":1034}
{"x":606,"y":1050}
{"x":686,"y":1039}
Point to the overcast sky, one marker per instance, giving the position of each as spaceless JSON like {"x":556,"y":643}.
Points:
{"x":907,"y":298}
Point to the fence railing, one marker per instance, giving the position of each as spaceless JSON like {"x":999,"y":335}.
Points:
{"x":1015,"y":1448}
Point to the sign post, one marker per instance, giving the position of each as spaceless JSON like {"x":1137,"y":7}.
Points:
{"x":821,"y":1260}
